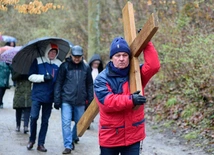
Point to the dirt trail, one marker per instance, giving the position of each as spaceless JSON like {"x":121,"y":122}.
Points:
{"x":13,"y":143}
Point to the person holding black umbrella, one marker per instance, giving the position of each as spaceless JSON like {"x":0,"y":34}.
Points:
{"x":42,"y":74}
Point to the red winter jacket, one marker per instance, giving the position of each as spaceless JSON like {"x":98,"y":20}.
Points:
{"x":119,"y":124}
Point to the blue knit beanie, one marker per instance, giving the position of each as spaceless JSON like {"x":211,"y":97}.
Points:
{"x":119,"y":45}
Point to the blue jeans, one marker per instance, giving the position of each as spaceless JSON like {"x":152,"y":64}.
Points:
{"x":34,"y":115}
{"x":66,"y":116}
{"x":133,"y":149}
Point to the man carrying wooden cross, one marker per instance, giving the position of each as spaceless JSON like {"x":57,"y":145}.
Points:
{"x":121,"y":127}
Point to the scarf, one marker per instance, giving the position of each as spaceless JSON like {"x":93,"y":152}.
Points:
{"x":122,"y":72}
{"x":94,"y":73}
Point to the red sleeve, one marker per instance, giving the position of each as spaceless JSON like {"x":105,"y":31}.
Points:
{"x":110,"y":102}
{"x":151,"y":63}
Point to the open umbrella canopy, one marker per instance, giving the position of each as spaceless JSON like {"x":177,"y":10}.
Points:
{"x":36,"y":48}
{"x":8,"y":55}
{"x":6,"y":38}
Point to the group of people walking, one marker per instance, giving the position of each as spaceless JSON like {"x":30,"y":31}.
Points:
{"x":71,"y":86}
{"x":68,"y":85}
{"x":51,"y":81}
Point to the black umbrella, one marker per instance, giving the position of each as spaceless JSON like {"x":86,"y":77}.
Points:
{"x":36,"y":48}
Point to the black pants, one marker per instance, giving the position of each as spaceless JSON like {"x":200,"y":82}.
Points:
{"x":2,"y":92}
{"x":19,"y":115}
{"x":133,"y":149}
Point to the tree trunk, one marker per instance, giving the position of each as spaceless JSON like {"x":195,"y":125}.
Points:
{"x":93,"y":28}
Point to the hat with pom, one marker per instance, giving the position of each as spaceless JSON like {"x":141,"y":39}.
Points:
{"x":119,"y":45}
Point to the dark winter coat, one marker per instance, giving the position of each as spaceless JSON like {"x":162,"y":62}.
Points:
{"x":74,"y":84}
{"x":22,"y":95}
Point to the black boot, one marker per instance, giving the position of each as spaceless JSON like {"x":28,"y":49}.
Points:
{"x":18,"y":129}
{"x":26,"y":130}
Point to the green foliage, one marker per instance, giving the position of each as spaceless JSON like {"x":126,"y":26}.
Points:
{"x":191,"y":135}
{"x":159,"y":117}
{"x":183,"y":21}
{"x":205,"y":122}
{"x":159,"y":96}
{"x":169,"y":124}
{"x":155,"y":127}
{"x":171,"y":102}
{"x":185,"y":47}
{"x":188,"y":111}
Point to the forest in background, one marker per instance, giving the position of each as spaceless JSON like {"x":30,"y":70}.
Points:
{"x":182,"y":93}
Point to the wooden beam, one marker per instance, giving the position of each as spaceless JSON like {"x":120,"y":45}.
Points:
{"x":145,"y":35}
{"x":130,"y":35}
{"x":129,"y":23}
{"x":87,"y":118}
{"x":137,"y":44}
{"x":134,"y":75}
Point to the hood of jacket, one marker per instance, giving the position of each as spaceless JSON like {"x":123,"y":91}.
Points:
{"x":48,"y":48}
{"x":94,"y":58}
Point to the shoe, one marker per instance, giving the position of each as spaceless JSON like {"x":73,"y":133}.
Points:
{"x":66,"y":151}
{"x":1,"y":106}
{"x":73,"y":146}
{"x":76,"y":140}
{"x":17,"y":128}
{"x":26,"y":130}
{"x":30,"y":145}
{"x":41,"y":148}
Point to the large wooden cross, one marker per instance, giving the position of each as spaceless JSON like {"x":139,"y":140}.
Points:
{"x":137,"y":44}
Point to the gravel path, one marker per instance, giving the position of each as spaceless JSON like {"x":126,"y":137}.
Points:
{"x":13,"y":143}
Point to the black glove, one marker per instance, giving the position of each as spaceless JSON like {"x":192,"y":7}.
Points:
{"x":138,"y":99}
{"x":47,"y":77}
{"x":56,"y":106}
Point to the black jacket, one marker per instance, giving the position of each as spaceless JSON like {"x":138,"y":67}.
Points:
{"x":74,"y":84}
